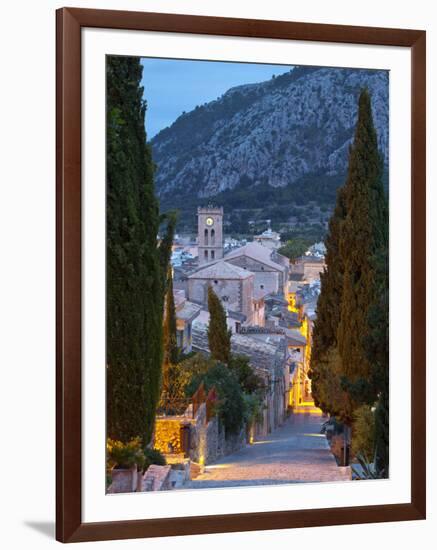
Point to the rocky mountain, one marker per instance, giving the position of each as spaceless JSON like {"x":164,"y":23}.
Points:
{"x":292,"y":132}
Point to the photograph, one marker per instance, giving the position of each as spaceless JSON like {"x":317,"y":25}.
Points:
{"x":247,"y":274}
{"x":216,"y":274}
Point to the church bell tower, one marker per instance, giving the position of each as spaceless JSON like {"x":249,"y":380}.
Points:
{"x":210,"y":233}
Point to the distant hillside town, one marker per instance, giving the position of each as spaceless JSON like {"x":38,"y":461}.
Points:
{"x":270,"y":304}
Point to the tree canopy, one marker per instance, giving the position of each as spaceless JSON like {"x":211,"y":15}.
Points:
{"x":294,"y":248}
{"x":136,"y":263}
{"x":349,"y":364}
{"x":219,"y":336}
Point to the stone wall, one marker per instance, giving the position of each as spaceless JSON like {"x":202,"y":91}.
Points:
{"x":247,"y":288}
{"x":156,"y":478}
{"x":124,"y":480}
{"x":236,"y":294}
{"x":168,"y":435}
{"x":265,"y":277}
{"x":309,"y":270}
{"x":208,"y":441}
{"x":231,"y":288}
{"x":204,"y":438}
{"x":312,"y":271}
{"x":233,"y":442}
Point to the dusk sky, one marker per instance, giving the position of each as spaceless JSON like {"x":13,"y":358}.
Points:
{"x":172,"y":86}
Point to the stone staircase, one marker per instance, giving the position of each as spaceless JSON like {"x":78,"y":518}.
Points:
{"x":307,"y":407}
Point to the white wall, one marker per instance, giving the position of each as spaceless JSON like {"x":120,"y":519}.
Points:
{"x":27,"y":299}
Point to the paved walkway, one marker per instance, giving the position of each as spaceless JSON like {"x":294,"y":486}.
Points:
{"x":294,"y":453}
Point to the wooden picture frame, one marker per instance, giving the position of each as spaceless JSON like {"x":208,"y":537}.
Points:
{"x":69,"y":525}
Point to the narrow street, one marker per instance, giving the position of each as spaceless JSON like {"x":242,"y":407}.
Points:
{"x":294,"y":453}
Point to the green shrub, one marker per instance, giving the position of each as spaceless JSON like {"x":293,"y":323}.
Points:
{"x":153,"y":456}
{"x":253,"y":408}
{"x":294,"y":248}
{"x":124,"y":455}
{"x":249,"y":381}
{"x":363,"y":432}
{"x":230,"y":408}
{"x":181,"y":374}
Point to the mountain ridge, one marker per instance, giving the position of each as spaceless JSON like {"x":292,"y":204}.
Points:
{"x":290,"y":131}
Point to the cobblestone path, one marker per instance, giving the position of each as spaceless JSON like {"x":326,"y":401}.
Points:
{"x":294,"y":453}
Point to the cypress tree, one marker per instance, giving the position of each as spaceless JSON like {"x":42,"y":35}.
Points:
{"x":219,"y":336}
{"x":347,"y":342}
{"x":325,"y":366}
{"x":363,"y":234}
{"x":377,"y":345}
{"x":170,"y":345}
{"x":171,"y":353}
{"x":135,"y":262}
{"x":331,"y":281}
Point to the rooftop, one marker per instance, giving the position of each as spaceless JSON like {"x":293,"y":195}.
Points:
{"x":294,"y":337}
{"x":188,"y":312}
{"x":277,"y":299}
{"x":178,"y":297}
{"x":311,"y":259}
{"x":263,"y":354}
{"x":257,"y":252}
{"x":221,"y":270}
{"x":268,"y":234}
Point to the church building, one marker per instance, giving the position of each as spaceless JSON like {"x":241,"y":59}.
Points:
{"x":270,"y":268}
{"x":242,"y":278}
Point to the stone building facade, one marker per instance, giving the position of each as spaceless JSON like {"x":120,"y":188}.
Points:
{"x":308,"y":267}
{"x":269,"y":239}
{"x":269,"y":268}
{"x":233,"y":285}
{"x":186,"y":312}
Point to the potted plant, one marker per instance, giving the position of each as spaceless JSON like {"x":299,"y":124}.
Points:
{"x":123,"y":462}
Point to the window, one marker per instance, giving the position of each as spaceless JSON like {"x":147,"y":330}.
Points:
{"x":212,"y":251}
{"x":261,"y":286}
{"x":206,"y":236}
{"x":206,"y":254}
{"x":216,"y":282}
{"x":213,"y":237}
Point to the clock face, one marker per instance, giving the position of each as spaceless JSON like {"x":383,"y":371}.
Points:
{"x":209,"y":221}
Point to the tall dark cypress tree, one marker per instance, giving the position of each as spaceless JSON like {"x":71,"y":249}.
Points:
{"x":171,"y":353}
{"x":348,"y":366}
{"x":324,"y":358}
{"x":363,"y":235}
{"x":219,"y":336}
{"x":328,"y":314}
{"x":377,"y":345}
{"x":136,"y":264}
